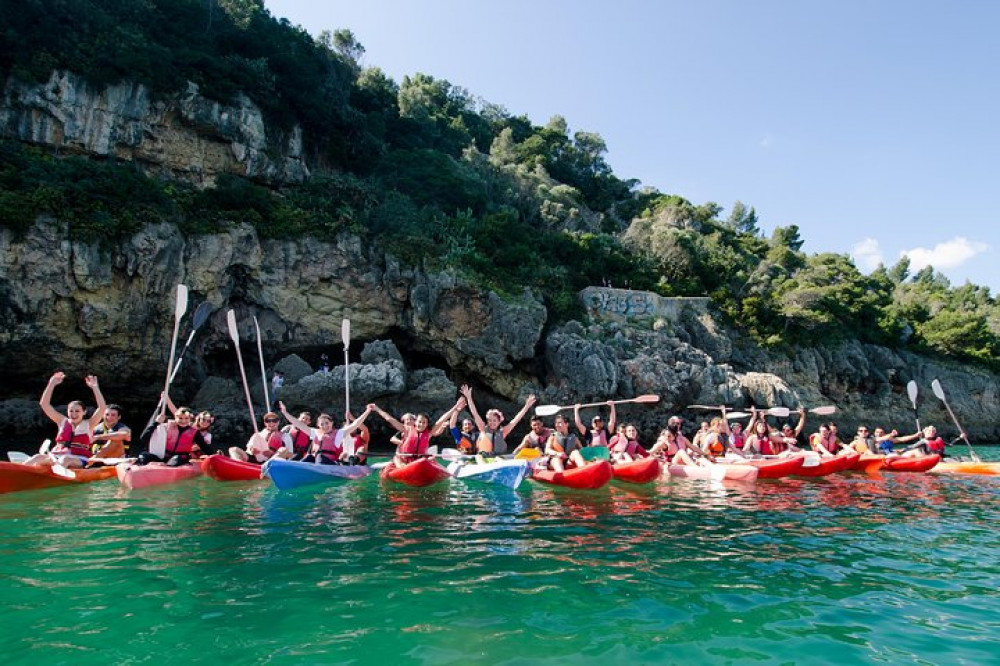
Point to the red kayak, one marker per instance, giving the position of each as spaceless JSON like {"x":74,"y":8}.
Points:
{"x":15,"y":476}
{"x":642,"y":470}
{"x":868,"y":463}
{"x":775,"y":468}
{"x":595,"y":475}
{"x":828,"y":466}
{"x":224,"y":468}
{"x":420,"y":472}
{"x":903,"y":464}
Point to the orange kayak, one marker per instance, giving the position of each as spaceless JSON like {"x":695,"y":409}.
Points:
{"x":989,"y":468}
{"x":868,"y":463}
{"x":15,"y":477}
{"x":642,"y":470}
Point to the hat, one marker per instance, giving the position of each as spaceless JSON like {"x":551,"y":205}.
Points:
{"x":674,"y":419}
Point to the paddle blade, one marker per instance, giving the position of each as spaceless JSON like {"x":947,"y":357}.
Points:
{"x":345,"y":332}
{"x":201,"y":315}
{"x":527,"y":454}
{"x":737,"y":415}
{"x":825,"y":410}
{"x":182,"y":301}
{"x":234,"y":333}
{"x":780,"y":412}
{"x":704,"y":407}
{"x":911,"y":390}
{"x":938,"y":390}
{"x":63,"y":472}
{"x":645,"y":399}
{"x":547,"y":410}
{"x":158,"y":442}
{"x":17,"y":456}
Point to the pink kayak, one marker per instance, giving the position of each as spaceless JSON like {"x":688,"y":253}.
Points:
{"x":590,"y":477}
{"x":155,"y":474}
{"x":715,"y":472}
{"x":420,"y":472}
{"x":224,"y":468}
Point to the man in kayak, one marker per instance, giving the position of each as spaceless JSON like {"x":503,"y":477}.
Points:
{"x":534,"y":441}
{"x":74,"y":438}
{"x":598,"y":434}
{"x":822,"y":442}
{"x":562,"y":449}
{"x":929,"y":443}
{"x":111,"y":436}
{"x":264,"y":444}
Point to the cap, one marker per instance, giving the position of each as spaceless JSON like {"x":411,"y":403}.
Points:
{"x":674,"y":419}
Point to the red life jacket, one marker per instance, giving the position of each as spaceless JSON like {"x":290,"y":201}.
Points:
{"x":78,"y":443}
{"x":935,"y":445}
{"x":330,"y":444}
{"x":767,"y":447}
{"x":416,"y":443}
{"x":625,"y":445}
{"x":598,"y":437}
{"x":180,"y":440}
{"x":738,"y":441}
{"x":300,"y":440}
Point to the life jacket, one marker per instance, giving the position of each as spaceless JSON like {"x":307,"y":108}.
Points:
{"x":598,"y":437}
{"x":768,"y":447}
{"x":330,"y":444}
{"x":816,"y":441}
{"x":300,"y":440}
{"x":464,"y":441}
{"x":565,"y":443}
{"x":935,"y":445}
{"x":416,"y":443}
{"x":497,"y":442}
{"x":180,"y":440}
{"x":538,"y":441}
{"x":738,"y":441}
{"x":625,"y":445}
{"x":717,"y":447}
{"x":77,"y":442}
{"x":351,"y":445}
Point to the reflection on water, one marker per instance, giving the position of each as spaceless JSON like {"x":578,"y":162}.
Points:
{"x":900,"y":568}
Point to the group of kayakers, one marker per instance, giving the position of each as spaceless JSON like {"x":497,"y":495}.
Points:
{"x":81,"y":441}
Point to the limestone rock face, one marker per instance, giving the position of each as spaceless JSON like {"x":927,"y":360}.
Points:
{"x":185,"y":135}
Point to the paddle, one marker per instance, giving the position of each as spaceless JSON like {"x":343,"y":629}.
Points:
{"x":200,"y":317}
{"x":345,"y":334}
{"x":179,"y":309}
{"x":260,"y":355}
{"x":234,"y":334}
{"x":939,"y":392}
{"x":17,"y":456}
{"x":736,"y":415}
{"x":911,"y":390}
{"x":549,"y":410}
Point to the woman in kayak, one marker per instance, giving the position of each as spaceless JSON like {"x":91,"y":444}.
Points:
{"x":716,"y":443}
{"x":327,"y":444}
{"x":181,"y":439}
{"x":75,"y":436}
{"x":672,"y":445}
{"x":626,"y":447}
{"x":355,"y":446}
{"x":416,"y":438}
{"x":563,"y":448}
{"x":599,"y":434}
{"x":492,"y":434}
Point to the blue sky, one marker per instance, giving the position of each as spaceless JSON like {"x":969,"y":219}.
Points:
{"x":871,"y":125}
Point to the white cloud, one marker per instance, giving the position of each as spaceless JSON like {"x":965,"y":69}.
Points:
{"x":949,"y":254}
{"x":867,"y":255}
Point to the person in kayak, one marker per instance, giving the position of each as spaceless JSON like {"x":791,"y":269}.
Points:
{"x":562,"y":449}
{"x":355,"y":445}
{"x":466,"y":436}
{"x":672,"y":445}
{"x":698,"y":440}
{"x":301,"y":439}
{"x":181,"y":438}
{"x":737,"y":438}
{"x":492,"y":434}
{"x":534,"y":441}
{"x":111,"y":436}
{"x":74,"y":438}
{"x":716,"y":443}
{"x":626,"y":447}
{"x":416,"y":438}
{"x":203,"y":422}
{"x":864,"y":442}
{"x":406,"y":421}
{"x":928,"y":443}
{"x":598,"y":434}
{"x":262,"y":445}
{"x":822,"y":442}
{"x":327,"y":444}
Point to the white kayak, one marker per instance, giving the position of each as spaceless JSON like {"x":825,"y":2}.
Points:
{"x":507,"y":473}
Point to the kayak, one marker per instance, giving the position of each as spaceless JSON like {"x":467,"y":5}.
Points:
{"x":775,"y":468}
{"x":590,"y":477}
{"x":989,"y":468}
{"x":829,"y":466}
{"x":16,"y":476}
{"x":904,"y":464}
{"x":714,"y":472}
{"x":420,"y":472}
{"x":155,"y":474}
{"x":508,"y":473}
{"x":287,"y":474}
{"x":642,"y":470}
{"x":868,"y":463}
{"x":224,"y":468}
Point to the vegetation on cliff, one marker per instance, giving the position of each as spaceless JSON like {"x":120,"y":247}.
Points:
{"x":444,"y":179}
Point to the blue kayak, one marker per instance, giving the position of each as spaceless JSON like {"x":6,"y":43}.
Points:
{"x":508,"y":473}
{"x":292,"y":473}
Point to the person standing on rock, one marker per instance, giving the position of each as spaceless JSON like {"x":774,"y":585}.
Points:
{"x":75,"y":435}
{"x":492,"y":434}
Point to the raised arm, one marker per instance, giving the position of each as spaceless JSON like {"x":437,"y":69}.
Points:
{"x":802,"y":421}
{"x":446,"y":418}
{"x":299,"y":425}
{"x":531,"y":400}
{"x":98,"y":414}
{"x":612,"y":417}
{"x":356,"y":423}
{"x":725,"y":422}
{"x":576,"y":419}
{"x":453,"y":421}
{"x":45,"y":402}
{"x":467,"y":394}
{"x":389,"y":418}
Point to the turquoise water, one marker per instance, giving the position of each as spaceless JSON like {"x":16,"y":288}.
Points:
{"x":900,"y":569}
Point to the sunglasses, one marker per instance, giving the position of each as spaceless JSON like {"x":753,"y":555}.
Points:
{"x":270,"y":420}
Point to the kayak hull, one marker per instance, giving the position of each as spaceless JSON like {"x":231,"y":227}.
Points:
{"x":904,"y":464}
{"x":288,"y":474}
{"x":419,"y":473}
{"x":643,"y":470}
{"x":224,"y":468}
{"x":507,"y":473}
{"x":590,"y":477}
{"x":15,"y":477}
{"x":777,"y":468}
{"x":869,"y":464}
{"x":155,"y":474}
{"x":828,"y":466}
{"x":987,"y":468}
{"x":714,"y":472}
